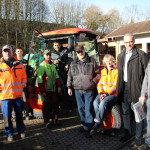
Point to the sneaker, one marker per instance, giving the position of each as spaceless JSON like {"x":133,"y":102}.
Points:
{"x":81,"y":130}
{"x":94,"y":128}
{"x":22,"y":135}
{"x":49,"y":125}
{"x":58,"y":124}
{"x":145,"y":147}
{"x":138,"y":142}
{"x":101,"y":128}
{"x":10,"y":138}
{"x":27,"y":117}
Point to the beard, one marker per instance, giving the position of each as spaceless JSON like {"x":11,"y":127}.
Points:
{"x":81,"y":57}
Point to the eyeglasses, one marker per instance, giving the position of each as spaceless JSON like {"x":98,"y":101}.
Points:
{"x":130,"y":42}
{"x":79,"y":52}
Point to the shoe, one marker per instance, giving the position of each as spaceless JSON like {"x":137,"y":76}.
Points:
{"x":10,"y":138}
{"x":87,"y":134}
{"x":13,"y":117}
{"x":49,"y":125}
{"x":27,"y":118}
{"x":81,"y":130}
{"x":138,"y":142}
{"x":94,"y":128}
{"x":125,"y":138}
{"x":145,"y":147}
{"x":22,"y":135}
{"x":101,"y":128}
{"x":58,"y":124}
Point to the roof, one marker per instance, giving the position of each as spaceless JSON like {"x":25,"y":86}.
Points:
{"x":67,"y":31}
{"x":135,"y":28}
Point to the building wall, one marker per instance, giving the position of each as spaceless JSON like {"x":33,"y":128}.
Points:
{"x":142,"y":41}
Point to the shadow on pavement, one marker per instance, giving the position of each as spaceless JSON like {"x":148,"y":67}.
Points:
{"x":67,"y":137}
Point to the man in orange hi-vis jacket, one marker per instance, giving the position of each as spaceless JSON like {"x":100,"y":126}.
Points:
{"x":12,"y":81}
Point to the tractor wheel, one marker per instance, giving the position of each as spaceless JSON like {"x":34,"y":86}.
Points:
{"x":36,"y":103}
{"x":37,"y":114}
{"x":112,"y":119}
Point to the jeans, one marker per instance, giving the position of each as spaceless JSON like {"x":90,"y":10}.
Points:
{"x":100,"y":106}
{"x":126,"y":115}
{"x":85,"y":108}
{"x":7,"y":106}
{"x":147,"y":139}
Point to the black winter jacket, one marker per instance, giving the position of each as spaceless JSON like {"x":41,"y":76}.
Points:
{"x":136,"y":71}
{"x":64,"y":56}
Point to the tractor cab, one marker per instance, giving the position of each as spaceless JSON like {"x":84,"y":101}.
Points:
{"x":69,"y":38}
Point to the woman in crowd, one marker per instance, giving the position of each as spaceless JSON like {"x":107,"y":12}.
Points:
{"x":106,"y":91}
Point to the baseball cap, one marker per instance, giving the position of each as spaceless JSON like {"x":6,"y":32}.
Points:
{"x":6,"y":47}
{"x":79,"y":48}
{"x":46,"y":52}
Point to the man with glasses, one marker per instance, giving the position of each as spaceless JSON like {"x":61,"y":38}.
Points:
{"x":82,"y":76}
{"x":131,"y":65}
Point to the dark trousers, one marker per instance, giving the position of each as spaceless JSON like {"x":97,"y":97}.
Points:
{"x":126,"y":115}
{"x":50,"y":107}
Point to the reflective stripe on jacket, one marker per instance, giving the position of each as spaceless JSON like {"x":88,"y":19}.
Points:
{"x":12,"y":80}
{"x":107,"y":82}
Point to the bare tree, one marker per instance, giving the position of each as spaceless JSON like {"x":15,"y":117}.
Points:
{"x":102,"y":23}
{"x":132,"y":14}
{"x":7,"y":16}
{"x":115,"y":20}
{"x":91,"y":17}
{"x":66,"y":13}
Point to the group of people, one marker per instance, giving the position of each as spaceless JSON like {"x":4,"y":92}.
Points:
{"x":13,"y":81}
{"x":127,"y":83}
{"x":52,"y":78}
{"x":123,"y":84}
{"x":83,"y":76}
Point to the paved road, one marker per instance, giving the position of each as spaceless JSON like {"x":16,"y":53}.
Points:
{"x":68,"y":137}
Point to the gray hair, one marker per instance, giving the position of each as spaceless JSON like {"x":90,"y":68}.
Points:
{"x":130,"y":34}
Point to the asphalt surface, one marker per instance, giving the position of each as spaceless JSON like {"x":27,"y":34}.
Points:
{"x":66,"y":137}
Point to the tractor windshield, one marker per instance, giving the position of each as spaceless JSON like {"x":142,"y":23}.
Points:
{"x":40,"y":42}
{"x":35,"y":57}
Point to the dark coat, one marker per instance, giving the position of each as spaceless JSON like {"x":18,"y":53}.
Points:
{"x":136,"y":71}
{"x":64,"y":56}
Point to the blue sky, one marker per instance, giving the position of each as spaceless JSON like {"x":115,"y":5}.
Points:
{"x":105,"y":5}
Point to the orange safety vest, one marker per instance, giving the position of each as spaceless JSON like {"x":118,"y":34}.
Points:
{"x":12,"y":80}
{"x":107,"y":82}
